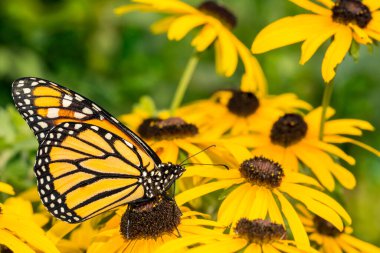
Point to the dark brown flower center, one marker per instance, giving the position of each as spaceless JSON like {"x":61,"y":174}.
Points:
{"x":260,"y":231}
{"x":171,"y":128}
{"x":150,"y":220}
{"x":243,"y":103}
{"x":351,"y":11}
{"x":324,"y":227}
{"x":219,"y":12}
{"x":288,"y":130}
{"x":5,"y":249}
{"x":262,"y":171}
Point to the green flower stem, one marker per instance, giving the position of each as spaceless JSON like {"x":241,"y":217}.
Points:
{"x":184,"y":82}
{"x":325,"y":104}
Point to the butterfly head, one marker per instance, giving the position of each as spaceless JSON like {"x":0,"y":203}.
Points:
{"x":161,"y":178}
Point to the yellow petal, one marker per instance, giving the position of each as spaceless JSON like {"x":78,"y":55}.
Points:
{"x":180,"y":243}
{"x":204,"y":38}
{"x":253,"y":248}
{"x":29,"y":232}
{"x":292,"y":177}
{"x":314,"y":206}
{"x":347,"y":126}
{"x":240,"y":152}
{"x":227,"y":210}
{"x":334,"y":150}
{"x":336,"y":52}
{"x":132,"y":7}
{"x":162,"y":25}
{"x":199,"y":170}
{"x":166,"y":150}
{"x":6,"y":188}
{"x":341,"y":139}
{"x":228,"y":54}
{"x":373,"y":34}
{"x":344,"y":176}
{"x":59,"y":230}
{"x":319,"y":162}
{"x":286,"y":31}
{"x":323,"y":198}
{"x":295,"y":224}
{"x":274,"y":212}
{"x":259,"y":207}
{"x":372,"y":4}
{"x":203,"y":190}
{"x":327,"y":3}
{"x":312,"y":43}
{"x":243,"y":207}
{"x":200,"y":222}
{"x":231,"y":245}
{"x":253,"y":79}
{"x":192,"y":149}
{"x":313,"y":118}
{"x":13,"y":243}
{"x":268,"y":248}
{"x":169,"y":6}
{"x":361,"y":35}
{"x":359,"y":244}
{"x":182,"y":26}
{"x":308,"y":5}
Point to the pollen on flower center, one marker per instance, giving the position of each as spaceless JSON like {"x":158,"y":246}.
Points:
{"x":150,"y":220}
{"x":324,"y":227}
{"x":219,"y":12}
{"x":351,"y":11}
{"x":171,"y":128}
{"x":243,"y":103}
{"x":262,"y":171}
{"x":288,"y":130}
{"x":259,"y":231}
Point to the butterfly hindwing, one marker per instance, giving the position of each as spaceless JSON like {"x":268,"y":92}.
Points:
{"x":83,"y":170}
{"x":44,"y":105}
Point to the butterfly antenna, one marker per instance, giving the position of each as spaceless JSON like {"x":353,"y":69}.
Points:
{"x":210,"y":164}
{"x":203,"y":150}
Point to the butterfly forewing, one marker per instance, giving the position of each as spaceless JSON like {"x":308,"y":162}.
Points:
{"x":87,"y":161}
{"x":44,"y":105}
{"x":83,"y":170}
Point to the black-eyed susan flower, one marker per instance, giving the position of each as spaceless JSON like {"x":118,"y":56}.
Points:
{"x":263,"y":189}
{"x":293,"y":138}
{"x":258,"y":236}
{"x":169,"y":135}
{"x":216,"y":22}
{"x":239,"y":112}
{"x":145,"y":227}
{"x":345,"y":20}
{"x":20,"y":228}
{"x":328,"y":239}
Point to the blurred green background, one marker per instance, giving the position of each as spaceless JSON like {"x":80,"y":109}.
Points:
{"x":115,"y":60}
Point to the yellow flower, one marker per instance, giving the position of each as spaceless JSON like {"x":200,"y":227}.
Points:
{"x":238,"y":112}
{"x":80,"y":239}
{"x":20,"y":229}
{"x":249,"y":236}
{"x":330,"y":240}
{"x":216,"y":22}
{"x":261,"y":189}
{"x":293,"y":138}
{"x":144,"y":229}
{"x":344,"y":19}
{"x":6,"y":188}
{"x":169,"y":136}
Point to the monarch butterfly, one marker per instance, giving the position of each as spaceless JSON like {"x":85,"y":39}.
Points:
{"x":87,"y":161}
